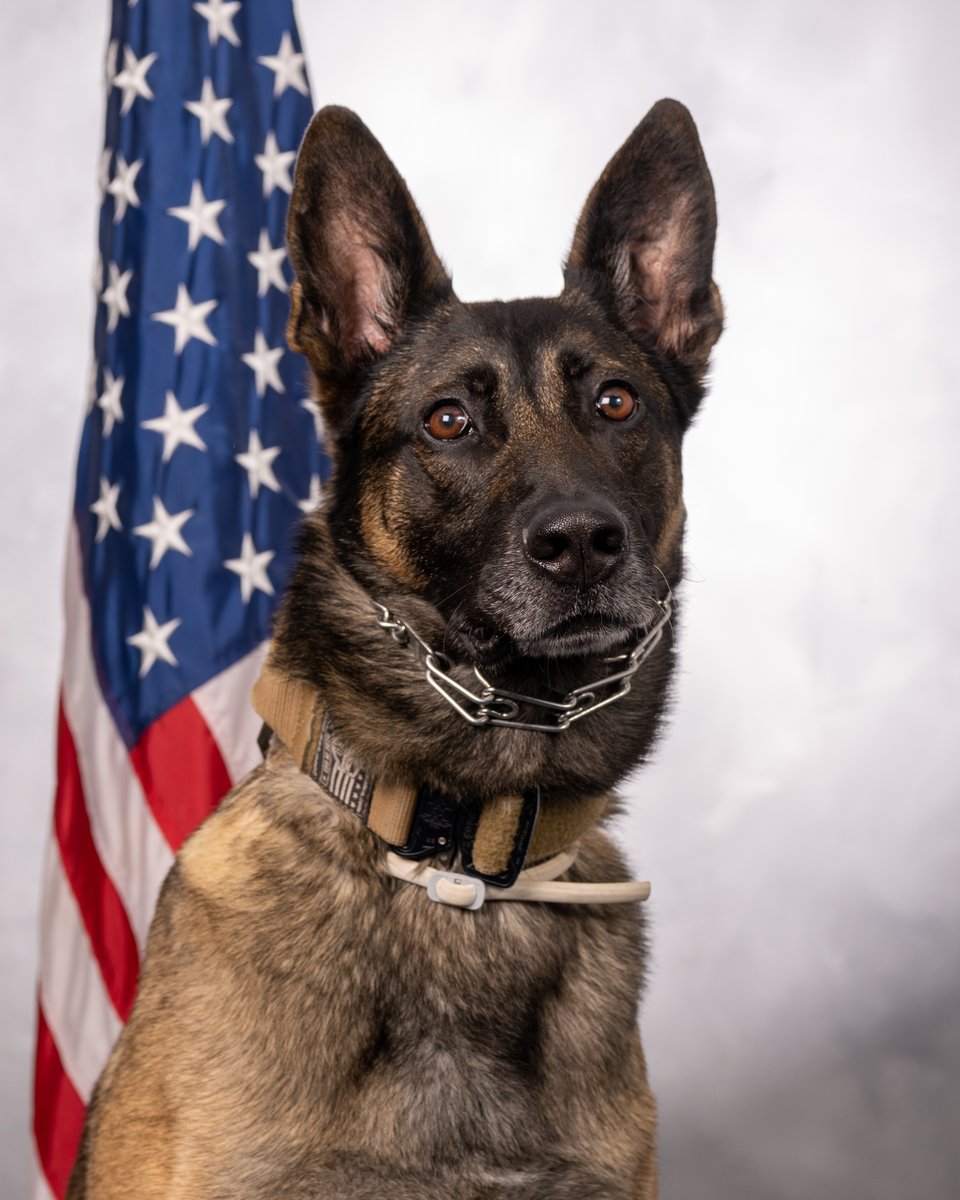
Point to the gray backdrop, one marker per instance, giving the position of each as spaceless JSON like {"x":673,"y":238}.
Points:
{"x":799,"y":825}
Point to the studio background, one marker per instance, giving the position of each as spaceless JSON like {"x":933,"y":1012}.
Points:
{"x":800,"y":822}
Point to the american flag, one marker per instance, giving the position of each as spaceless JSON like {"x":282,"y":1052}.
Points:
{"x":197,"y":455}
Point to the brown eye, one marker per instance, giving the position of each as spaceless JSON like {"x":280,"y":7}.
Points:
{"x":616,"y":403}
{"x":447,"y":421}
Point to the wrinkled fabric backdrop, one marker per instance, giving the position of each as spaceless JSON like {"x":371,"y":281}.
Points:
{"x":800,"y":822}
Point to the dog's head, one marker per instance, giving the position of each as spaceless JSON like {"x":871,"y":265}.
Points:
{"x":517,"y":464}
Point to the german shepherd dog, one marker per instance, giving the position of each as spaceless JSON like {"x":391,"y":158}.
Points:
{"x":504,"y":523}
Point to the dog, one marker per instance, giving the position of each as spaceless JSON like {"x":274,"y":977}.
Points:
{"x":474,"y":648}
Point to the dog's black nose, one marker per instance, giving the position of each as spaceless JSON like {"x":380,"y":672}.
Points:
{"x":574,"y":543}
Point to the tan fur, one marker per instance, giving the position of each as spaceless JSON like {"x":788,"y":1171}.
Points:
{"x":381,"y":541}
{"x":278,"y":925}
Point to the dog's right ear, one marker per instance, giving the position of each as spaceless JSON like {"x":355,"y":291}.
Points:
{"x":364,"y":263}
{"x":644,"y":242}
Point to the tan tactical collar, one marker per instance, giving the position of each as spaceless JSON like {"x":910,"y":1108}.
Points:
{"x":495,"y":836}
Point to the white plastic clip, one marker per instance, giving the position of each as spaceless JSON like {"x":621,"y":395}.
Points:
{"x":459,"y":891}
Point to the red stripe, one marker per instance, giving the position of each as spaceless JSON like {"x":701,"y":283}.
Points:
{"x":101,"y":908}
{"x":57,"y":1112}
{"x":181,"y":769}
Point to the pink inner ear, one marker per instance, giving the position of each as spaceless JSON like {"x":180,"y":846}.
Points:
{"x":661,"y":277}
{"x":363,"y":302}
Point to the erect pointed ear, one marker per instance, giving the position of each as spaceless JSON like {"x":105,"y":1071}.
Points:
{"x":364,"y":264}
{"x":644,"y":242}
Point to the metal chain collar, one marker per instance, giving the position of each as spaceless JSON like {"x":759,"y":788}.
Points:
{"x":494,"y":706}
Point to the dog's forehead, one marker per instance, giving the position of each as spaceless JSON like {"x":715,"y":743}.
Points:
{"x":519,"y":350}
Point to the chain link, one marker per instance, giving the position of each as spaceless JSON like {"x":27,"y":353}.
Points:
{"x":495,"y":706}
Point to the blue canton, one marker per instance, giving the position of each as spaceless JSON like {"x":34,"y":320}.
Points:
{"x":199,"y":451}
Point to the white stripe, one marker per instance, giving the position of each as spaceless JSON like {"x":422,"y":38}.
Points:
{"x":72,"y":993}
{"x":41,"y":1189}
{"x":131,"y":847}
{"x":224,"y":703}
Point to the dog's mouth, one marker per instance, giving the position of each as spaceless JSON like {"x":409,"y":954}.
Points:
{"x":583,"y":633}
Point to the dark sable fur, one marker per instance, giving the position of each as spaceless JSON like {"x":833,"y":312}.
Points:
{"x":307,"y":1026}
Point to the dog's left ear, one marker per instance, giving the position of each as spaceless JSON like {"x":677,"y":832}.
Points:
{"x":644,"y":242}
{"x":364,"y":263}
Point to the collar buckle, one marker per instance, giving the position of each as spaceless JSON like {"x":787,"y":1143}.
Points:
{"x":458,"y":891}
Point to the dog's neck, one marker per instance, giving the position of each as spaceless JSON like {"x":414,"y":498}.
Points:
{"x":399,"y":727}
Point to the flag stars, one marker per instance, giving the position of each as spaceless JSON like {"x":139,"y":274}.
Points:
{"x":132,"y":80}
{"x":219,"y":15}
{"x":263,"y":361}
{"x":122,"y":188}
{"x":200,"y":216}
{"x":288,"y":67}
{"x":103,"y":172}
{"x":251,"y":566}
{"x":177,"y":426}
{"x":92,"y":372}
{"x":212,"y":113}
{"x":257,"y":461}
{"x":267,"y":259}
{"x":275,"y":165}
{"x":188,"y":320}
{"x":114,"y":295}
{"x":105,"y":509}
{"x":152,"y":641}
{"x":109,"y":401}
{"x":309,"y":503}
{"x":110,"y":64}
{"x":164,"y":532}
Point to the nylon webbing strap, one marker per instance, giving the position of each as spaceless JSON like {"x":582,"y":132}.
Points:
{"x":295,"y":712}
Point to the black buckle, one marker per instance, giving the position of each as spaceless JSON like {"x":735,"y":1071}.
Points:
{"x":434,"y":826}
{"x":467,"y":831}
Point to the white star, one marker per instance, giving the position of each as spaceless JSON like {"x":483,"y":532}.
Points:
{"x":132,"y":80}
{"x":275,"y":165}
{"x":212,"y":113}
{"x":106,"y":508}
{"x":287,"y":66}
{"x":314,"y":410}
{"x":92,"y":385}
{"x":267,"y":260}
{"x":164,"y":531}
{"x":263,"y":363}
{"x":309,"y":503}
{"x":188,"y":319}
{"x":177,"y":426}
{"x":110,"y":64}
{"x":121,"y":186}
{"x":252,"y":569}
{"x":152,"y":640}
{"x":219,"y":15}
{"x":103,"y":175}
{"x":109,"y":401}
{"x":201,"y":216}
{"x":257,"y":461}
{"x":114,"y":295}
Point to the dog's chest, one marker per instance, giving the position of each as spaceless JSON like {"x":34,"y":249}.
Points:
{"x":358,"y":996}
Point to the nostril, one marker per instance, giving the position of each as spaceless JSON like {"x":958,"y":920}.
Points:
{"x":608,"y":539}
{"x":547,"y":545}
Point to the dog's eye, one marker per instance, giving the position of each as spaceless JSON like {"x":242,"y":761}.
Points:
{"x":447,"y":421}
{"x":616,"y":403}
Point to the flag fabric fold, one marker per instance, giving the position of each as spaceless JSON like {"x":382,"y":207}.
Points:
{"x":199,"y":452}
